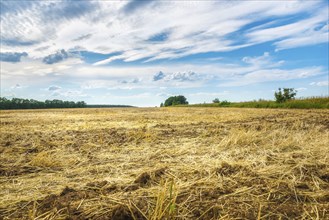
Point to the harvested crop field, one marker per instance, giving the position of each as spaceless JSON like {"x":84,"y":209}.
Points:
{"x":164,"y":163}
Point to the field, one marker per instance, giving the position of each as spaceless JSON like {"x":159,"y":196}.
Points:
{"x":164,"y":163}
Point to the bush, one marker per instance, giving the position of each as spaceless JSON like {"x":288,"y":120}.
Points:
{"x":224,"y":103}
{"x":176,"y":100}
{"x":216,"y":100}
{"x":287,"y":94}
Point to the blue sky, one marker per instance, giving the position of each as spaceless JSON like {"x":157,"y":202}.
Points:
{"x":141,"y":52}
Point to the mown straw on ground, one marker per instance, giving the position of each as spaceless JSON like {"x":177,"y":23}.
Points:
{"x":168,"y":163}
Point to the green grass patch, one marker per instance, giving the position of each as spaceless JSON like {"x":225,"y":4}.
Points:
{"x":301,"y":103}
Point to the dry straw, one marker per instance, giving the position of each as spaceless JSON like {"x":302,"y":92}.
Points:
{"x":168,"y":163}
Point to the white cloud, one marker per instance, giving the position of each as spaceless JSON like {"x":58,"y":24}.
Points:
{"x":301,"y":89}
{"x":299,"y":33}
{"x":321,"y":83}
{"x":53,"y":88}
{"x":163,"y":94}
{"x":298,"y":41}
{"x":105,"y":27}
{"x":68,"y":93}
{"x":272,"y":75}
{"x":179,"y":76}
{"x":250,"y":70}
{"x":263,"y":61}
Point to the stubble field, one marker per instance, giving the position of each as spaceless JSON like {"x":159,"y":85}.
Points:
{"x":164,"y":163}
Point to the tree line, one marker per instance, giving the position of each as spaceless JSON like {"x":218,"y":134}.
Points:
{"x":17,"y":103}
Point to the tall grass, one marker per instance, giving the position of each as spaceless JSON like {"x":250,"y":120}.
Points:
{"x":300,"y":103}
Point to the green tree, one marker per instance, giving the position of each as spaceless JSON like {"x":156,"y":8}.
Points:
{"x":285,"y":94}
{"x":216,"y":100}
{"x":176,"y":100}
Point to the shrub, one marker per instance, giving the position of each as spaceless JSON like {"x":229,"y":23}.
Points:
{"x":224,"y":103}
{"x":285,"y":95}
{"x":176,"y":100}
{"x":216,"y":100}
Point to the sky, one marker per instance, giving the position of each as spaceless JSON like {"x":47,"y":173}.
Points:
{"x":142,"y":52}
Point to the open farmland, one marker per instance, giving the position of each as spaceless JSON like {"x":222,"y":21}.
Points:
{"x":164,"y":163}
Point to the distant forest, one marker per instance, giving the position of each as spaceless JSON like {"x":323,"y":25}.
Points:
{"x":17,"y":103}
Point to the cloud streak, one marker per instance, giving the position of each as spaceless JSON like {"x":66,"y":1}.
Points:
{"x":53,"y":88}
{"x":321,"y":83}
{"x":118,"y":27}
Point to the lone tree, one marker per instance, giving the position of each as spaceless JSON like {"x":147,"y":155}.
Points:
{"x":176,"y":100}
{"x":286,"y":94}
{"x":216,"y":100}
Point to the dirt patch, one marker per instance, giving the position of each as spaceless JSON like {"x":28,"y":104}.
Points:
{"x":212,"y":194}
{"x":159,"y":172}
{"x":122,"y":212}
{"x":325,"y":177}
{"x":214,"y":212}
{"x":97,"y":184}
{"x":146,"y":178}
{"x":68,"y":200}
{"x":143,"y":179}
{"x":302,"y":186}
{"x":308,"y":171}
{"x":131,"y":187}
{"x":116,"y":136}
{"x":325,"y":123}
{"x":16,"y":170}
{"x":227,"y":169}
{"x":102,"y":186}
{"x":32,"y":151}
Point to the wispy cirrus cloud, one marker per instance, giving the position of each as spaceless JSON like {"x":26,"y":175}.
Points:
{"x":83,"y":37}
{"x":309,"y":31}
{"x":68,"y":93}
{"x":250,"y":70}
{"x":320,"y":83}
{"x":263,"y":61}
{"x":266,"y":68}
{"x":108,"y":27}
{"x":273,"y":75}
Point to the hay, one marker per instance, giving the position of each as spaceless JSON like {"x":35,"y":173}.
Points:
{"x":168,"y":163}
